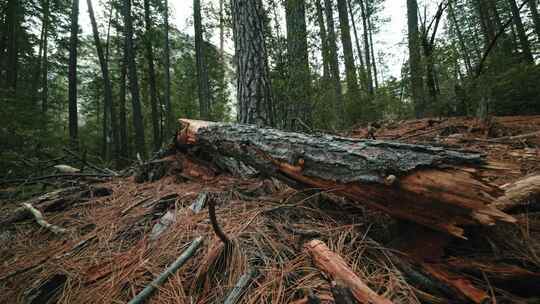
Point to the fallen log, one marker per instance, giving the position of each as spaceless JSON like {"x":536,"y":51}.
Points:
{"x":336,"y":268}
{"x":432,"y":186}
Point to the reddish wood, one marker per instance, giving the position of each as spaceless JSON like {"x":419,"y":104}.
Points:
{"x":444,"y":198}
{"x":335,"y":267}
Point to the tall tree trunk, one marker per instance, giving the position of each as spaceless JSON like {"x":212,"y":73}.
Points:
{"x":373,"y":57}
{"x":350,"y":67}
{"x":72,"y":76}
{"x":221,"y":31}
{"x":526,"y":47}
{"x":133,"y":81}
{"x":533,"y":7}
{"x":35,"y":78}
{"x":299,"y":84}
{"x":367,"y":49}
{"x":253,"y":80}
{"x":123,"y":152}
{"x":325,"y":52}
{"x":114,"y":118}
{"x":202,"y":69}
{"x":107,"y":104}
{"x":363,"y":77}
{"x":12,"y":48}
{"x":417,"y":87}
{"x":461,"y":40}
{"x":334,"y":63}
{"x":169,"y":115}
{"x":45,"y":64}
{"x":151,"y":76}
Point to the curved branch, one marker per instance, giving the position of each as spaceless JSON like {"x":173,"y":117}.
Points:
{"x":215,"y":225}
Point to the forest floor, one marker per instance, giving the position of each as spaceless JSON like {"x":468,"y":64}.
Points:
{"x":119,"y":234}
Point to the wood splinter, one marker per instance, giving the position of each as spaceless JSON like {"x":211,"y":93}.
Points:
{"x":337,"y":269}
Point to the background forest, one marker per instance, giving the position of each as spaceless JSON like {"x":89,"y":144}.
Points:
{"x":118,"y":92}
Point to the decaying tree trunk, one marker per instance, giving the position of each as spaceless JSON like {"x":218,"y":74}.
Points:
{"x":432,"y":186}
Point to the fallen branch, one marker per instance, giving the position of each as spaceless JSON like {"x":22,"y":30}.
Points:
{"x":506,"y":139}
{"x":41,"y":221}
{"x":182,"y":259}
{"x":215,"y":225}
{"x":33,"y":180}
{"x":335,"y":267}
{"x":236,"y":293}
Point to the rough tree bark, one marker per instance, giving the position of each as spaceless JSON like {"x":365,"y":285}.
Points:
{"x":202,"y":69}
{"x":253,"y":81}
{"x":72,"y":76}
{"x":123,"y":140}
{"x":299,"y":85}
{"x":133,"y":81}
{"x":149,"y":52}
{"x":432,"y":186}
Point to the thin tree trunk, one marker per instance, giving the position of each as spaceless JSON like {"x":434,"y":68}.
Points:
{"x":414,"y":59}
{"x":363,"y":77}
{"x":350,"y":67}
{"x":107,"y":104}
{"x":72,"y":76}
{"x":202,"y":69}
{"x":168,"y":106}
{"x":134,"y":82}
{"x":461,"y":40}
{"x":373,"y":57}
{"x":533,"y":7}
{"x":367,"y":49}
{"x":526,"y":47}
{"x":151,"y":76}
{"x":114,"y":118}
{"x":36,"y":78}
{"x":253,"y":81}
{"x":45,"y":64}
{"x":221,"y":32}
{"x":299,"y":84}
{"x":334,"y":63}
{"x":11,"y":58}
{"x":325,"y":53}
{"x":122,"y":105}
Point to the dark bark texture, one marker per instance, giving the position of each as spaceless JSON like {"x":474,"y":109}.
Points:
{"x":133,"y":81}
{"x":253,"y":81}
{"x":415,"y":64}
{"x":299,"y":85}
{"x":202,"y":69}
{"x":419,"y":183}
{"x":72,"y":76}
{"x":149,"y":52}
{"x":350,"y":67}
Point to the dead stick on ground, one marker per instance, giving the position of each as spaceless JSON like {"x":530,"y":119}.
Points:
{"x":236,"y":293}
{"x":182,"y":259}
{"x":336,"y":267}
{"x":41,"y":221}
